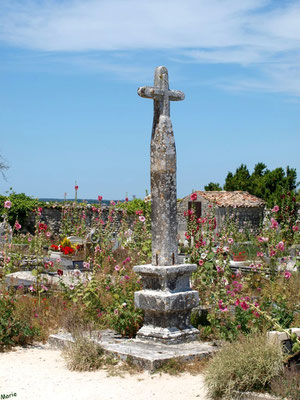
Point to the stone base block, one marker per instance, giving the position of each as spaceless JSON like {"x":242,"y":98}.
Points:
{"x":167,"y":300}
{"x":167,"y":335}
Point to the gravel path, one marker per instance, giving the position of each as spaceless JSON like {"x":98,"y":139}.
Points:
{"x":39,"y":372}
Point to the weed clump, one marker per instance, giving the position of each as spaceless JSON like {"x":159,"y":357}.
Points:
{"x":83,"y":355}
{"x":245,"y":365}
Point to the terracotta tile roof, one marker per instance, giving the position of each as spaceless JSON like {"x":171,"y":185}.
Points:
{"x":232,"y":199}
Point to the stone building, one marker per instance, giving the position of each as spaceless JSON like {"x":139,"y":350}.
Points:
{"x":243,"y":206}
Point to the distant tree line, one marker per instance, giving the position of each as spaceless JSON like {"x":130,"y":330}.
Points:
{"x":267,"y":184}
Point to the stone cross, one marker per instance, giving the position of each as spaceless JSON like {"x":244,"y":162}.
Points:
{"x":166,"y":298}
{"x":163,"y":170}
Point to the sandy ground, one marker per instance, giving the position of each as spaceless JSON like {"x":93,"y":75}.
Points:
{"x":39,"y":372}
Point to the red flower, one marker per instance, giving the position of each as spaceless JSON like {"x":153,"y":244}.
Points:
{"x":60,"y":272}
{"x":100,"y":198}
{"x":43,"y":227}
{"x":194,"y":196}
{"x":76,"y":187}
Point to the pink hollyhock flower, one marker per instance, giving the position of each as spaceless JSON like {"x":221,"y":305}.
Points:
{"x":44,"y":287}
{"x":117,"y":268}
{"x":287,"y":274}
{"x":142,"y":218}
{"x":275,"y":209}
{"x":260,"y":254}
{"x":230,"y":240}
{"x":86,"y":265}
{"x":194,"y":196}
{"x":116,"y":312}
{"x":126,"y":199}
{"x":17,"y":226}
{"x":280,"y":246}
{"x":274,"y":223}
{"x":7,"y":204}
{"x":272,"y":253}
{"x":112,"y":203}
{"x":295,"y":228}
{"x":263,"y":239}
{"x":29,"y":239}
{"x":222,"y":307}
{"x":48,"y":234}
{"x":100,"y":198}
{"x":201,"y":262}
{"x":126,"y":277}
{"x":244,"y":305}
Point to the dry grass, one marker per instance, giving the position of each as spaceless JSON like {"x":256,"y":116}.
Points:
{"x":287,"y":385}
{"x":248,"y":364}
{"x":177,"y":367}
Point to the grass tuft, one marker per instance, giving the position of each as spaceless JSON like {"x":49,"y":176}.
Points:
{"x":245,"y":365}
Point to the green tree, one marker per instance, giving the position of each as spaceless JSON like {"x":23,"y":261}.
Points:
{"x":212,"y":186}
{"x":267,"y":184}
{"x":239,"y":181}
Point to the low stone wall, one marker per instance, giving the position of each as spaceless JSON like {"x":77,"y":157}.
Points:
{"x":52,"y":216}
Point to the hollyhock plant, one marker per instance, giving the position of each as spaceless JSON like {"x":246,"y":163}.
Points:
{"x":287,"y":274}
{"x":17,"y":226}
{"x":193,"y":197}
{"x":280,"y":246}
{"x":274,"y":223}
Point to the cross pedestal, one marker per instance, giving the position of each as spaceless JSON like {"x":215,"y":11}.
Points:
{"x":166,"y":298}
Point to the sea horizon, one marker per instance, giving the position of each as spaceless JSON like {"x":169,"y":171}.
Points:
{"x":88,"y":201}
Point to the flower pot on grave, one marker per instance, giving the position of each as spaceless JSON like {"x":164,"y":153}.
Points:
{"x":239,"y":258}
{"x":55,"y":255}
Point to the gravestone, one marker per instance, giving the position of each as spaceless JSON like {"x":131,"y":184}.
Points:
{"x":5,"y":230}
{"x":166,"y":298}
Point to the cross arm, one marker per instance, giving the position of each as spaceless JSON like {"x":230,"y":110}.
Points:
{"x":176,"y":95}
{"x":146,"y":91}
{"x":152,"y":92}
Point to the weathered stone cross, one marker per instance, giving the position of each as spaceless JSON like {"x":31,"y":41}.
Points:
{"x":160,"y":93}
{"x":166,"y":298}
{"x":163,"y":170}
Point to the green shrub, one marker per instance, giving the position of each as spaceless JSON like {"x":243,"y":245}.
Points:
{"x":248,"y":364}
{"x":13,"y":330}
{"x":21,"y":206}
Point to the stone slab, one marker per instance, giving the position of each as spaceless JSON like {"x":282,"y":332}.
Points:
{"x":281,"y":336}
{"x":149,"y":355}
{"x":26,"y":279}
{"x":165,"y":271}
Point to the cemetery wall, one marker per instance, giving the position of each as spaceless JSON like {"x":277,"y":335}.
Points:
{"x":53,"y":218}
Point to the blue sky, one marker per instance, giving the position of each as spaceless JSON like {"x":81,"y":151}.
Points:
{"x":69,"y":73}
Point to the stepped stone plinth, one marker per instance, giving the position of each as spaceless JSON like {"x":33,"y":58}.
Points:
{"x":167,"y":300}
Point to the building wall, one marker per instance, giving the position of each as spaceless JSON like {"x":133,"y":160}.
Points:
{"x":244,"y":215}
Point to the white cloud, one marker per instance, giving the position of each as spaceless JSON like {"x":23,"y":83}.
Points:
{"x":76,"y":25}
{"x":261,"y":34}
